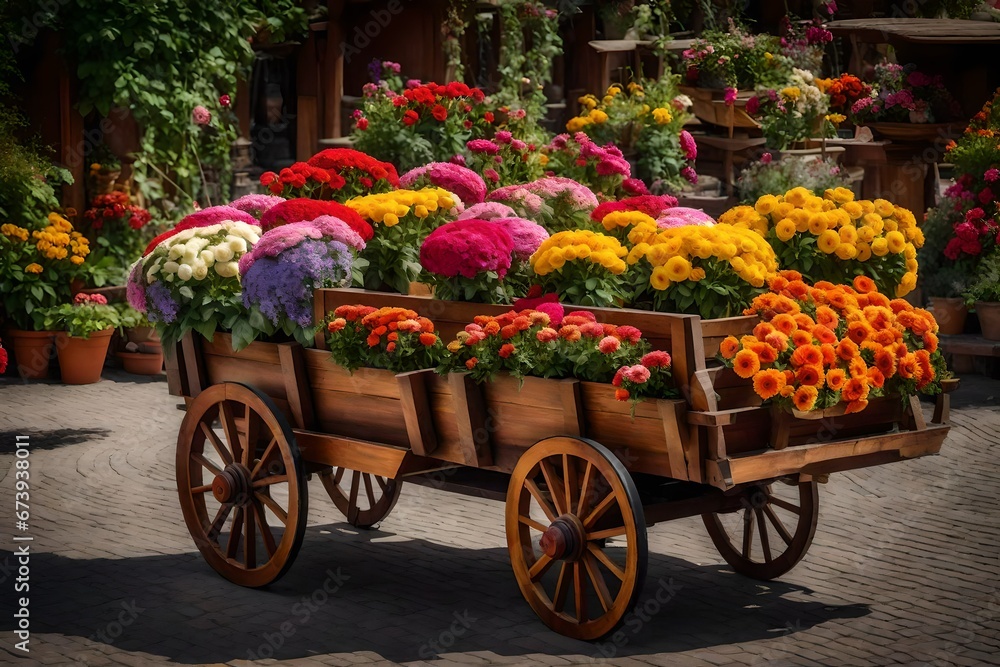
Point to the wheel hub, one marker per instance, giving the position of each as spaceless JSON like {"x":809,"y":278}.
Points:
{"x":565,"y":539}
{"x":232,"y":485}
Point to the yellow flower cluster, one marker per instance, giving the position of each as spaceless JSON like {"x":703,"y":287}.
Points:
{"x":388,"y":207}
{"x":662,"y":116}
{"x":14,"y":232}
{"x":564,"y":247}
{"x":842,"y":227}
{"x":675,"y":253}
{"x":58,"y":241}
{"x":621,"y":219}
{"x":592,"y":115}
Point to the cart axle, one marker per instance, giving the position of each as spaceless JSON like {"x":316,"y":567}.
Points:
{"x":232,"y":485}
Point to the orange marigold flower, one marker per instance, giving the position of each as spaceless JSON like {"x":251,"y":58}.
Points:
{"x":810,"y":376}
{"x":392,"y":337}
{"x":483,"y":320}
{"x":805,"y":398}
{"x":900,"y":305}
{"x":570,"y":332}
{"x":827,"y":316}
{"x":373,"y":339}
{"x":856,"y":389}
{"x":777,"y":340}
{"x":909,"y":367}
{"x":803,"y":321}
{"x":337,"y":324}
{"x":778,"y":283}
{"x":506,"y":350}
{"x":784,"y":323}
{"x":856,"y":406}
{"x":859,"y":331}
{"x":426,"y":325}
{"x":930,"y":342}
{"x":762,"y":330}
{"x":876,"y":299}
{"x":787,"y":391}
{"x":926,"y":368}
{"x":823,"y":334}
{"x":800,"y":338}
{"x":621,"y":394}
{"x":427,"y":339}
{"x":390,"y":348}
{"x":729,"y":347}
{"x":858,"y":368}
{"x":768,"y":383}
{"x":836,"y":378}
{"x":876,"y":378}
{"x":885,"y":361}
{"x":847,"y":349}
{"x":764,"y":352}
{"x":491,"y":328}
{"x":829,"y":354}
{"x":885,"y":337}
{"x":797,"y":289}
{"x":807,"y":355}
{"x":864,"y":284}
{"x":746,"y":363}
{"x":471,"y":363}
{"x":790,"y":274}
{"x":511,"y":330}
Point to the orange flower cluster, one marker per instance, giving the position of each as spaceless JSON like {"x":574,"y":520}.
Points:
{"x":395,"y":338}
{"x":819,"y":345}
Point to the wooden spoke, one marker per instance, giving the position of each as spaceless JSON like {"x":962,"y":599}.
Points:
{"x":265,"y":530}
{"x":747,"y":533}
{"x":583,"y":481}
{"x":353,"y":499}
{"x":580,"y":588}
{"x":340,"y":475}
{"x":599,"y":511}
{"x":540,"y":567}
{"x":229,"y":428}
{"x":234,"y":534}
{"x":381,"y":483}
{"x":775,"y":557}
{"x":598,"y":553}
{"x":536,"y":493}
{"x":380,"y":496}
{"x":597,"y":579}
{"x":537,"y":525}
{"x":219,"y":521}
{"x":762,"y":531}
{"x":268,"y":481}
{"x":368,"y":490}
{"x":610,"y":532}
{"x":778,"y":526}
{"x":269,"y":451}
{"x":248,"y":418}
{"x":272,"y":505}
{"x":562,"y":586}
{"x":217,"y":444}
{"x":584,"y":490}
{"x":554,"y":485}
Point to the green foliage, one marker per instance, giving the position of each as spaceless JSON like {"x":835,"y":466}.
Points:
{"x":986,"y":286}
{"x":939,"y":275}
{"x":80,"y":320}
{"x":779,"y":176}
{"x":162,"y":59}
{"x":530,"y":40}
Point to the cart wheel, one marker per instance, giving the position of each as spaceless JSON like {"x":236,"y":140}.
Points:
{"x":380,"y":495}
{"x":772,"y":530}
{"x":576,"y":535}
{"x":255,"y":484}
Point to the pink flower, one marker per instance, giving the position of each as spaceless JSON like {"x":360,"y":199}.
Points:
{"x":201,"y":116}
{"x":635,"y":187}
{"x":489,"y":210}
{"x":463,"y":182}
{"x":638,"y":374}
{"x":629,"y":333}
{"x":992,"y":175}
{"x":283,"y":237}
{"x":467,"y":248}
{"x":766,"y":158}
{"x":753,"y":105}
{"x":730,"y":96}
{"x":689,"y":175}
{"x":656,"y":359}
{"x":680,"y":216}
{"x":688,"y":145}
{"x":554,"y":310}
{"x":503,"y":137}
{"x":609,"y":344}
{"x":483,"y":146}
{"x":527,"y":236}
{"x":492,"y":175}
{"x":225,"y":100}
{"x":255,"y":204}
{"x":985,"y":196}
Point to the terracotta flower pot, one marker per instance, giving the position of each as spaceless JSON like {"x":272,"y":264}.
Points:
{"x":32,"y":352}
{"x":81,"y":360}
{"x":989,"y":318}
{"x":139,"y":363}
{"x":950,"y":313}
{"x":140,"y":335}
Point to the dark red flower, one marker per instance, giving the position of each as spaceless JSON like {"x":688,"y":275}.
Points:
{"x":439,"y":113}
{"x":410,"y":118}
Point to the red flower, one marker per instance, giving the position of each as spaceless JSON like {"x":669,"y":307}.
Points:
{"x":225,"y":100}
{"x":410,"y":118}
{"x":268,"y":177}
{"x":296,"y":210}
{"x":488,"y":116}
{"x":362,"y":124}
{"x":506,"y":350}
{"x":439,"y":113}
{"x":467,"y":124}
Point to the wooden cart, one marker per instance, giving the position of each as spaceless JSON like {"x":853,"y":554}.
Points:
{"x":582,"y":480}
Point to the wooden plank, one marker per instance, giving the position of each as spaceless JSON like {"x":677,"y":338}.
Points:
{"x":177,"y":384}
{"x":701,"y":394}
{"x":470,"y":416}
{"x":600,"y":397}
{"x":345,"y":413}
{"x":194,"y":365}
{"x":351,"y":453}
{"x":571,"y":398}
{"x":942,"y":409}
{"x":325,"y":374}
{"x":222,"y":345}
{"x":416,"y":406}
{"x":781,"y":423}
{"x":720,"y":418}
{"x":234,"y":368}
{"x":916,"y":414}
{"x":297,"y":385}
{"x":675,"y":436}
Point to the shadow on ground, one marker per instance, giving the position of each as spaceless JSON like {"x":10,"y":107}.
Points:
{"x":51,"y":439}
{"x":405,"y":599}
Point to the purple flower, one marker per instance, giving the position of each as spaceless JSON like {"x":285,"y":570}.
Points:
{"x":255,"y":204}
{"x":527,"y":236}
{"x":282,"y":286}
{"x":284,"y":237}
{"x":688,"y":145}
{"x":490,"y":210}
{"x":162,"y":306}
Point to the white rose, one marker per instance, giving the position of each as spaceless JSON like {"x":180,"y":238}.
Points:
{"x":184,"y":272}
{"x":223,"y":253}
{"x":197,"y":244}
{"x":176,"y":251}
{"x":200,"y":271}
{"x":186,"y":235}
{"x":236,"y":244}
{"x":207,"y":257}
{"x":190,"y":254}
{"x":211,"y":230}
{"x":170,"y":267}
{"x":227,"y":269}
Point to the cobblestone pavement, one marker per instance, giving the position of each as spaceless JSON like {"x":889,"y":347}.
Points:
{"x":904,"y":567}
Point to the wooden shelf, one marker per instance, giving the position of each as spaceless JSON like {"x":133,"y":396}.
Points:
{"x":970,"y":345}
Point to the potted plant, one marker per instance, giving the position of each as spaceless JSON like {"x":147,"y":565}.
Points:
{"x":82,"y":343}
{"x":984,"y":295}
{"x":944,"y":289}
{"x":143,"y":353}
{"x":37,"y":264}
{"x":105,"y":168}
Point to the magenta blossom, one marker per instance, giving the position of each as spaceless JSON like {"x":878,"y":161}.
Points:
{"x":526,"y":235}
{"x":463,"y":182}
{"x":255,"y":204}
{"x":467,"y":248}
{"x":483,"y":146}
{"x":730,"y":96}
{"x":688,"y":145}
{"x":680,"y":216}
{"x":689,"y":175}
{"x":992,"y":175}
{"x":490,"y":210}
{"x":201,"y":116}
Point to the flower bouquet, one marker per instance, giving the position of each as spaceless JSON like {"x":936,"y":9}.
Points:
{"x":714,"y":271}
{"x":824,"y":345}
{"x":37,"y":264}
{"x":467,"y":260}
{"x":844,"y":93}
{"x":582,"y":267}
{"x":85,"y":327}
{"x":395,"y":339}
{"x":281,"y":271}
{"x":464,"y":183}
{"x":423,"y":123}
{"x":203,"y":218}
{"x":734,"y":58}
{"x":835,"y":238}
{"x":402,"y":219}
{"x":190,"y":281}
